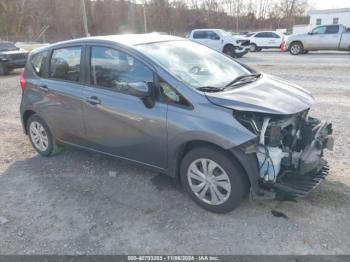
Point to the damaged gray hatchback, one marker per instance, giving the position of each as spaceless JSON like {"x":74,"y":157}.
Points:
{"x":181,"y":109}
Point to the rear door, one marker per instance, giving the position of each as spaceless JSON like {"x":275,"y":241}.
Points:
{"x":261,"y":40}
{"x":116,"y":121}
{"x":275,"y":40}
{"x":62,"y":89}
{"x":332,"y":37}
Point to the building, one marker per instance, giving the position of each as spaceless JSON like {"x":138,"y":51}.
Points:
{"x":330,"y":16}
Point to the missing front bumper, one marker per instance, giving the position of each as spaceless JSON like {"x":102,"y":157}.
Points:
{"x":291,"y":185}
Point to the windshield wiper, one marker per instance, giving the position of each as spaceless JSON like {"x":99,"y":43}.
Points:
{"x":242,"y":78}
{"x":210,"y":89}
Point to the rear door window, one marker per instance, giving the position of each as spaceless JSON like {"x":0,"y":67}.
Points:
{"x":261,"y":35}
{"x":38,"y":62}
{"x":332,"y":29}
{"x":200,"y":35}
{"x":65,"y":64}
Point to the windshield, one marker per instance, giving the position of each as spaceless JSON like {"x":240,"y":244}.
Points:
{"x":195,"y":64}
{"x":7,"y":47}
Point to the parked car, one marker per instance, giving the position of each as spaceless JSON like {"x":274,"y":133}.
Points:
{"x":264,"y":40}
{"x":325,"y":37}
{"x":11,"y":57}
{"x":179,"y":108}
{"x":220,"y":40}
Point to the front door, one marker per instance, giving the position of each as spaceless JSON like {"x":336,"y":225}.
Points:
{"x":117,"y":122}
{"x":214,"y":41}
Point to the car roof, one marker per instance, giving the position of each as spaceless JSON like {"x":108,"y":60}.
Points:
{"x":128,"y":39}
{"x":207,"y":29}
{"x":124,"y":39}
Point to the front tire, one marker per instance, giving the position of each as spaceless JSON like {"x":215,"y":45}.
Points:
{"x":229,"y":50}
{"x":296,"y":48}
{"x":41,"y":137}
{"x":213,"y":179}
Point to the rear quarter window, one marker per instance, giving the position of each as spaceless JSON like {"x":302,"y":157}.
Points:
{"x":38,"y":62}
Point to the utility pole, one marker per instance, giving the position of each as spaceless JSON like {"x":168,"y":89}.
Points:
{"x":144,"y":17}
{"x":83,"y":9}
{"x":237,"y":14}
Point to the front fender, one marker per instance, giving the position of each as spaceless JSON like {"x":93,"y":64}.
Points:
{"x":210,"y":124}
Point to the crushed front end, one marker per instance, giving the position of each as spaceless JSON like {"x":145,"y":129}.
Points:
{"x":289,"y":150}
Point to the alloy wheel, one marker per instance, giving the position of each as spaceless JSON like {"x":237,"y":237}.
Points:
{"x":38,"y":136}
{"x":295,"y":49}
{"x":209,"y":181}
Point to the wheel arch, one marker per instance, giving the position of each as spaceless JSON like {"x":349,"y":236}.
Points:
{"x":227,"y":45}
{"x":296,"y":41}
{"x":244,"y":161}
{"x":26,"y":115}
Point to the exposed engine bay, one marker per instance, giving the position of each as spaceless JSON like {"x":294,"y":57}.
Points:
{"x":289,"y":150}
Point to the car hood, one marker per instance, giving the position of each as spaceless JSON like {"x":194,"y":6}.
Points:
{"x":269,"y":95}
{"x":297,"y":36}
{"x":10,"y":52}
{"x":235,"y":38}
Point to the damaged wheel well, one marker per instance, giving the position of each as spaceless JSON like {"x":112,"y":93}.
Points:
{"x":232,"y":153}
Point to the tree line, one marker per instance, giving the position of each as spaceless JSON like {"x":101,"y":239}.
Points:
{"x":54,"y":20}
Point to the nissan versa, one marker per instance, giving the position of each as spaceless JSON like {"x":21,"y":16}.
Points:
{"x":179,"y":108}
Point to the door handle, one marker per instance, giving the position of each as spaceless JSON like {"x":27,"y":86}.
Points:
{"x":93,"y":100}
{"x":43,"y":88}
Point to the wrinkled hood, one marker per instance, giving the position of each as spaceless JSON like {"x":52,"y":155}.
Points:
{"x":268,"y":94}
{"x":235,"y":38}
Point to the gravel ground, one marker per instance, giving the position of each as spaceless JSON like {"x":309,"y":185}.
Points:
{"x":85,"y":203}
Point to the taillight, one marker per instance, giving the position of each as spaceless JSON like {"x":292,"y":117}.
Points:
{"x":22,"y":81}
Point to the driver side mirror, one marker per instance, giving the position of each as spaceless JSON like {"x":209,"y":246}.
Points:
{"x":139,"y":89}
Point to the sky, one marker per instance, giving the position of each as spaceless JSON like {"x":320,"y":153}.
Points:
{"x":328,"y":4}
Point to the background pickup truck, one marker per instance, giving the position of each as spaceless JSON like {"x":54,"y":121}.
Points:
{"x":11,"y":57}
{"x":222,"y":41}
{"x":325,"y":37}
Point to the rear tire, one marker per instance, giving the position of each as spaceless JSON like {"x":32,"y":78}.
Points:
{"x":253,"y":48}
{"x":213,"y":179}
{"x":3,"y":70}
{"x":41,"y":137}
{"x":296,"y":48}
